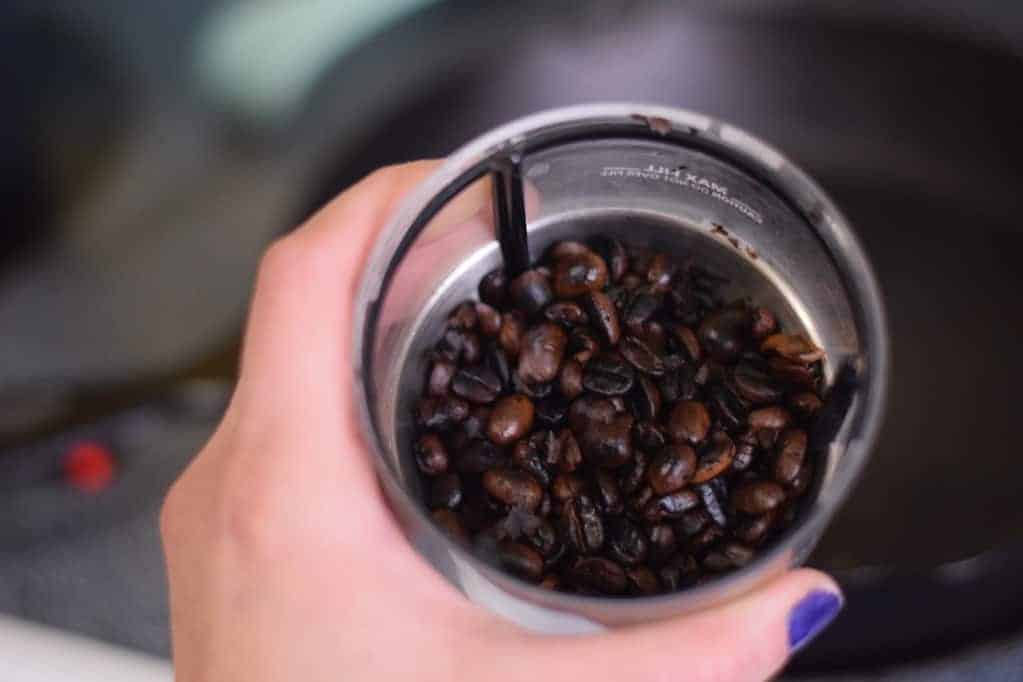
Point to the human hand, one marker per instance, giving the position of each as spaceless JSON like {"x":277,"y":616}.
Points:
{"x":285,"y":563}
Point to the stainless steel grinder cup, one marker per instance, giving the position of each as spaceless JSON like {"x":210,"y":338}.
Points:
{"x":667,"y":178}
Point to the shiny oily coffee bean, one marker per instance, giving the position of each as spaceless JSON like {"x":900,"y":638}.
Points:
{"x":659,"y":272}
{"x":649,"y":435}
{"x":626,"y":542}
{"x":724,"y":332}
{"x":510,"y":419}
{"x":774,"y":417}
{"x":551,"y":412}
{"x":475,"y":425}
{"x":608,"y":445}
{"x":497,"y":360}
{"x":583,"y":345}
{"x":640,"y":356}
{"x":671,"y":506}
{"x":764,"y":324}
{"x":513,"y":327}
{"x":692,"y":522}
{"x":570,"y":455}
{"x":663,"y":543}
{"x":599,"y":574}
{"x":533,"y":391}
{"x":463,"y":316}
{"x":754,"y":385}
{"x":744,"y":454}
{"x":645,"y":398}
{"x":520,"y":559}
{"x":527,"y":457}
{"x":688,"y":342}
{"x":738,"y":554}
{"x":758,"y":497}
{"x":608,"y":375}
{"x":582,"y":526}
{"x":472,"y":348}
{"x":431,"y":456}
{"x":479,"y":456}
{"x":566,"y":313}
{"x":671,"y":468}
{"x":531,"y":291}
{"x":635,"y":476}
{"x":716,"y":562}
{"x":542,"y":349}
{"x":493,"y":288}
{"x":446,"y":491}
{"x":802,"y":479}
{"x":575,"y":275}
{"x":688,"y":422}
{"x":567,"y":248}
{"x":637,"y":501}
{"x":440,"y":414}
{"x":805,"y":404}
{"x":727,"y":407}
{"x":566,"y":486}
{"x":544,"y":539}
{"x":489,"y":320}
{"x":753,"y":531}
{"x":551,"y":581}
{"x":478,"y":384}
{"x":441,"y":373}
{"x":640,"y":580}
{"x":641,"y":307}
{"x":606,"y":493}
{"x":513,"y":487}
{"x":714,"y":498}
{"x":570,"y":379}
{"x":603,"y":316}
{"x":706,"y":538}
{"x":792,"y":373}
{"x":450,"y":345}
{"x":615,"y":256}
{"x":791,"y":455}
{"x":792,"y":347}
{"x":449,"y":522}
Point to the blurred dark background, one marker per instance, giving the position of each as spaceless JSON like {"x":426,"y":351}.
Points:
{"x":150,"y":151}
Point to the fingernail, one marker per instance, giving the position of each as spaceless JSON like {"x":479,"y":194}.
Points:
{"x":812,"y":614}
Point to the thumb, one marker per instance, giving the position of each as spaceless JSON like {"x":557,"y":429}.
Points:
{"x":748,"y":639}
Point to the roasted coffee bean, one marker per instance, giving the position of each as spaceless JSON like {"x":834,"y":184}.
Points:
{"x":446,"y":491}
{"x":456,"y":440}
{"x":641,"y":580}
{"x":582,"y":526}
{"x":713,"y":497}
{"x":716,"y":458}
{"x":520,"y":559}
{"x":710,"y":535}
{"x":671,"y":506}
{"x":449,"y":522}
{"x":566,"y":486}
{"x":618,"y":402}
{"x":533,"y":391}
{"x":431,"y":457}
{"x":744,"y":454}
{"x":497,"y":360}
{"x":723,"y":332}
{"x":802,"y":479}
{"x":551,"y":412}
{"x":570,"y":455}
{"x":577,"y":274}
{"x":692,"y":522}
{"x":513,"y":487}
{"x":531,"y":291}
{"x":544,"y":539}
{"x":567,"y":249}
{"x":805,"y":404}
{"x":583,"y":345}
{"x":766,"y":438}
{"x":754,"y":530}
{"x":716,"y":561}
{"x":755,"y":385}
{"x":599,"y":574}
{"x":688,"y":422}
{"x":590,"y":409}
{"x":511,"y":419}
{"x":671,"y":468}
{"x":793,"y":373}
{"x":608,"y":375}
{"x":475,"y":425}
{"x":656,"y":339}
{"x":439,"y":414}
{"x":663,"y":543}
{"x":626,"y":543}
{"x":528,"y":458}
{"x":640,"y":356}
{"x":738,"y":554}
{"x":493,"y":288}
{"x":570,"y":379}
{"x":687,"y":340}
{"x":791,"y":454}
{"x":670,"y":578}
{"x":463,"y":316}
{"x":472,"y":349}
{"x":727,"y":406}
{"x":478,"y":384}
{"x":792,"y":347}
{"x":478,"y":456}
{"x":774,"y":417}
{"x":635,"y":474}
{"x":513,"y":327}
{"x":489,"y":320}
{"x":603,"y":316}
{"x":649,"y":435}
{"x":608,"y":445}
{"x":567,"y":313}
{"x":639,"y":258}
{"x":645,"y":398}
{"x":641,"y":308}
{"x":606,"y":493}
{"x":441,"y":374}
{"x":758,"y":497}
{"x":450,"y":345}
{"x":551,"y":581}
{"x":614,"y":255}
{"x":659,"y":272}
{"x":764,"y":324}
{"x":542,"y":349}
{"x":631,"y":281}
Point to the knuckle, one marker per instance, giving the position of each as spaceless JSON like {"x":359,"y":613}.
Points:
{"x":285,"y":259}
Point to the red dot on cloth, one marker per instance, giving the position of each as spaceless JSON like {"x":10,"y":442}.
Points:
{"x":89,"y":466}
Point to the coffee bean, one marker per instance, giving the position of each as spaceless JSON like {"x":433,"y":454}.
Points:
{"x":791,"y":454}
{"x":716,"y":562}
{"x":575,"y":275}
{"x":645,"y":397}
{"x":472,"y":349}
{"x":513,"y":326}
{"x":551,"y":412}
{"x":531,"y":291}
{"x":583,"y":345}
{"x":636,"y":502}
{"x":671,"y":469}
{"x":774,"y":417}
{"x":738,"y":554}
{"x":641,"y":581}
{"x":521,"y":560}
{"x":724,"y":332}
{"x":615,"y":256}
{"x":705,"y":538}
{"x":764,"y":323}
{"x":439,"y":414}
{"x":716,"y":458}
{"x":688,"y":422}
{"x":608,"y":375}
{"x":570,"y":455}
{"x":626,"y":543}
{"x":754,"y":530}
{"x":451,"y":524}
{"x":744,"y":454}
{"x":511,"y":419}
{"x":544,"y":539}
{"x":635,"y":474}
{"x":493,"y":288}
{"x":566,"y":486}
{"x":542,"y":349}
{"x":463,"y":316}
{"x":660,"y":272}
{"x":758,"y":497}
{"x":671,"y":506}
{"x":566,"y":313}
{"x":570,"y":379}
{"x":533,"y":391}
{"x":663,"y":543}
{"x":446,"y":491}
{"x":805,"y":404}
{"x":527,"y":457}
{"x":802,"y":479}
{"x":754,"y":385}
{"x":766,"y":438}
{"x":793,"y":373}
{"x":608,"y":445}
{"x":713,"y":497}
{"x":551,"y":581}
{"x":641,"y":308}
{"x":631,"y":281}
{"x":641,"y":357}
{"x":692,"y":522}
{"x":477,"y":384}
{"x":479,"y":456}
{"x":727,"y":406}
{"x":599,"y":574}
{"x":603,"y":316}
{"x":497,"y":360}
{"x":686,"y":338}
{"x":431,"y":457}
{"x":582,"y":526}
{"x":792,"y":347}
{"x":670,"y":578}
{"x":649,"y":435}
{"x":489,"y":319}
{"x":588,"y":410}
{"x":513,"y":487}
{"x":606,"y":493}
{"x":450,"y":345}
{"x":441,"y":374}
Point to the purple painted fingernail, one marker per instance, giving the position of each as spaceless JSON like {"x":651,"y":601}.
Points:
{"x":812,"y":614}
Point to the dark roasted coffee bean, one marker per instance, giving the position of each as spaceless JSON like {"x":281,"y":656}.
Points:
{"x":635,"y":475}
{"x":513,"y":487}
{"x":497,"y":360}
{"x":754,"y":385}
{"x":764,"y":324}
{"x":446,"y":491}
{"x":450,"y":345}
{"x":688,"y":422}
{"x":692,"y":522}
{"x":527,"y":457}
{"x":758,"y":497}
{"x":566,"y":486}
{"x":551,"y":581}
{"x":631,"y":281}
{"x":671,"y":468}
{"x":636,"y":503}
{"x":603,"y":316}
{"x":475,"y":425}
{"x":588,"y":410}
{"x":615,"y":256}
{"x":551,"y":411}
{"x":575,"y":275}
{"x":567,"y":313}
{"x":670,"y":578}
{"x":463,"y":316}
{"x":441,"y":374}
{"x":513,"y":326}
{"x":645,"y":398}
{"x":713,"y":497}
{"x":543,"y":538}
{"x":754,"y":530}
{"x":567,"y":249}
{"x":687,"y":340}
{"x":670,"y":386}
{"x":533,"y":391}
{"x":727,"y":406}
{"x":478,"y":384}
{"x":793,"y":373}
{"x":710,"y":535}
{"x":641,"y":308}
{"x":744,"y":454}
{"x":724,"y":332}
{"x":802,"y":479}
{"x":805,"y":404}
{"x":472,"y":349}
{"x":774,"y":417}
{"x":618,"y":402}
{"x":649,"y":435}
{"x":626,"y":543}
{"x":570,"y":456}
{"x":606,"y":493}
{"x":542,"y":349}
{"x":791,"y":454}
{"x":689,"y":571}
{"x":456,"y":440}
{"x":493,"y":288}
{"x":620,"y":297}
{"x":671,"y":506}
{"x":431,"y":457}
{"x":511,"y":419}
{"x":439,"y":414}
{"x":570,"y":379}
{"x":716,"y":562}
{"x":582,"y":526}
{"x":449,"y":522}
{"x":640,"y":356}
{"x":520,"y":559}
{"x":716,"y":458}
{"x":792,"y":347}
{"x":583,"y":345}
{"x":737,"y":553}
{"x":639,"y":258}
{"x":489,"y":319}
{"x":663,"y":543}
{"x":608,"y":445}
{"x":659,"y":272}
{"x":641,"y":581}
{"x":478,"y":456}
{"x":766,"y":438}
{"x":531,"y":291}
{"x":608,"y":375}
{"x":599,"y":574}
{"x":656,"y":339}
